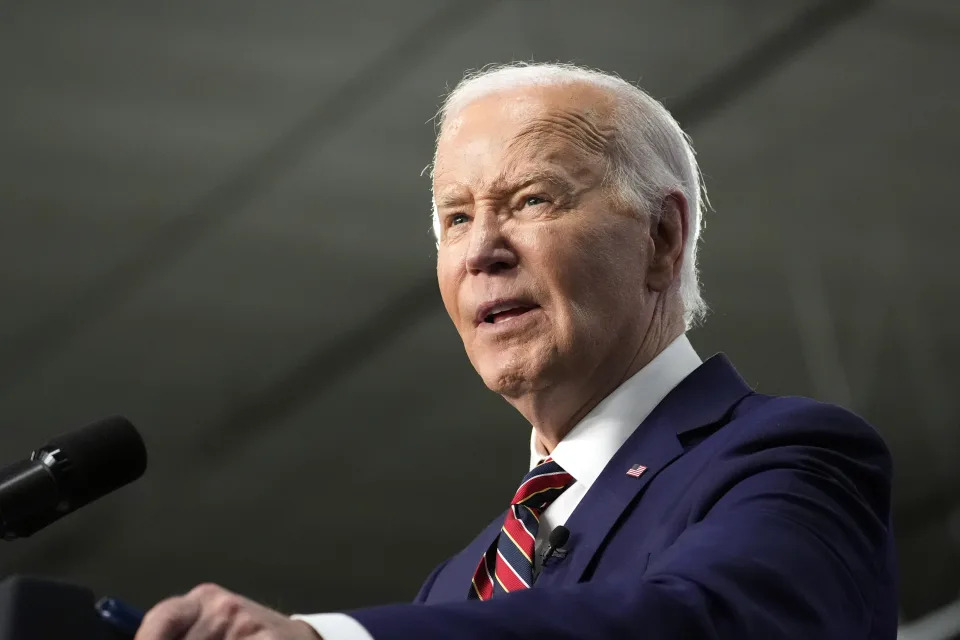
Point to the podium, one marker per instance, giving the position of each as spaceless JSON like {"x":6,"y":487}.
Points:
{"x":40,"y":609}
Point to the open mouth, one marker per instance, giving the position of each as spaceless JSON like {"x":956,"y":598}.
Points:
{"x":503,"y":311}
{"x":494,"y":318}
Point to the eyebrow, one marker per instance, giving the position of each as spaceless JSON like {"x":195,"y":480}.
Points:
{"x":452,"y":200}
{"x":502,"y":185}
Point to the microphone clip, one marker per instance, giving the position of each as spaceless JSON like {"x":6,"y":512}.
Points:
{"x":554,"y":554}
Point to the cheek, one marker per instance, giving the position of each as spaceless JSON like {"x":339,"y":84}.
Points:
{"x":595,"y":276}
{"x":449,"y":285}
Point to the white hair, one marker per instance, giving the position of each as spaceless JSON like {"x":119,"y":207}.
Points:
{"x":650,"y":155}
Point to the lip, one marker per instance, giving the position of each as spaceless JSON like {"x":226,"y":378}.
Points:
{"x":501,"y":303}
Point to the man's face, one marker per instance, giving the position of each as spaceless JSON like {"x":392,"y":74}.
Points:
{"x":541,"y":269}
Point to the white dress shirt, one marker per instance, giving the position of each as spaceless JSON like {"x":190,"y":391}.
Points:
{"x":583,"y":453}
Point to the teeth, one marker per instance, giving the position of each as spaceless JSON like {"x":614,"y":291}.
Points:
{"x":503,"y":308}
{"x":500,"y":309}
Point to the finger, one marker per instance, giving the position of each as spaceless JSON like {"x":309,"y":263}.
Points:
{"x":218,"y":612}
{"x":169,"y":620}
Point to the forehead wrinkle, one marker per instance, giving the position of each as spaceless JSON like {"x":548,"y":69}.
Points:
{"x":572,"y":126}
{"x":544,"y":139}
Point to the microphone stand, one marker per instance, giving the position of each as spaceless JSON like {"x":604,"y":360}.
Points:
{"x":40,"y":609}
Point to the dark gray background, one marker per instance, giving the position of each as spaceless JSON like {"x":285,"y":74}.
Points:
{"x":213,"y":222}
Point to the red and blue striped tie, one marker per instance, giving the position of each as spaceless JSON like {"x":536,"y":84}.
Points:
{"x":508,"y":563}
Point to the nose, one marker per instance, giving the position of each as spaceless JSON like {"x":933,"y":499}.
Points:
{"x":489,"y":250}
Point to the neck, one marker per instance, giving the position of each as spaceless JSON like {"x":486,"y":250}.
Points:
{"x":555,"y":410}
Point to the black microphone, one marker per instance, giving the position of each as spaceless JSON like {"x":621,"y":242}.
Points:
{"x":555,"y":541}
{"x":67,"y":473}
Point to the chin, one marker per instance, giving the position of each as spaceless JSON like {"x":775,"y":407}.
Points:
{"x":509,"y":384}
{"x":511,"y":376}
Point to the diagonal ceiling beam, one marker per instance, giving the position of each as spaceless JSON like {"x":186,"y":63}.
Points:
{"x":51,"y":334}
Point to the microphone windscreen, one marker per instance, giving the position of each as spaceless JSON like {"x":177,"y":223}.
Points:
{"x":101,"y":457}
{"x":559,"y":536}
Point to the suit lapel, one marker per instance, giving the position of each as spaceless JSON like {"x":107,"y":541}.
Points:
{"x":453,"y":581}
{"x":705,"y":397}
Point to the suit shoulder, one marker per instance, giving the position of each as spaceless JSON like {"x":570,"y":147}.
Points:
{"x":806,"y":434}
{"x":784,"y":419}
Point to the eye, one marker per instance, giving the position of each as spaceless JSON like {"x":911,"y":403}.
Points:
{"x":532,"y":201}
{"x":457,"y":219}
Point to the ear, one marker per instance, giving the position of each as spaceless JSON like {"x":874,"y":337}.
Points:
{"x":668,"y":233}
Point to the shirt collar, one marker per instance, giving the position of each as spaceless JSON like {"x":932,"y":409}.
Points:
{"x":590,"y":445}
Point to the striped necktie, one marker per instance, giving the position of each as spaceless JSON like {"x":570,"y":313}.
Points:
{"x":508,"y":563}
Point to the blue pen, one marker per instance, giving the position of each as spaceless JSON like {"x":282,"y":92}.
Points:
{"x":121,"y":616}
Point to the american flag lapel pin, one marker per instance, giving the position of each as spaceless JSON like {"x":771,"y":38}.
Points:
{"x":636,"y":471}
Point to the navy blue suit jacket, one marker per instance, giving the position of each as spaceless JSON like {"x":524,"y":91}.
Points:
{"x":757,"y":517}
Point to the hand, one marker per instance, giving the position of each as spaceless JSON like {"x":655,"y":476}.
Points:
{"x":210,"y":612}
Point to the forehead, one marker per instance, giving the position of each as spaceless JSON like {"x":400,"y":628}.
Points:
{"x":566,"y":127}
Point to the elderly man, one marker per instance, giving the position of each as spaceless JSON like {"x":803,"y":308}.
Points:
{"x":567,"y":211}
